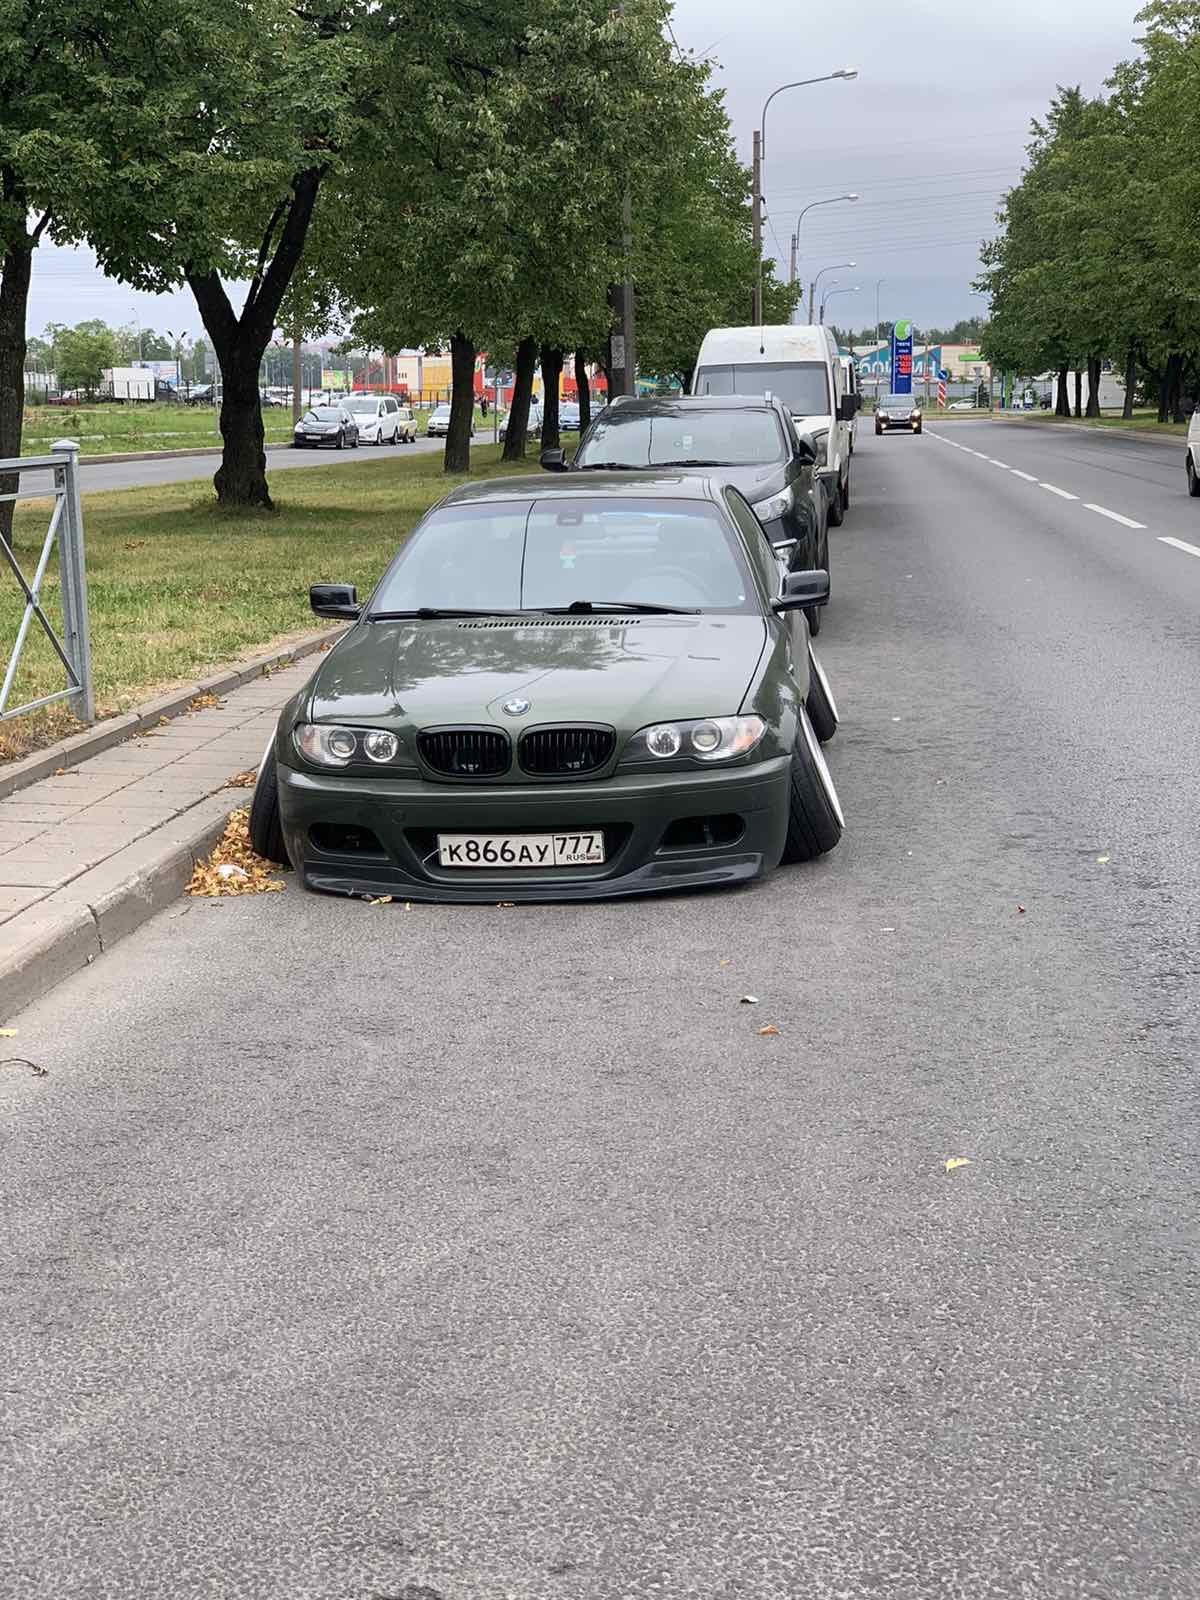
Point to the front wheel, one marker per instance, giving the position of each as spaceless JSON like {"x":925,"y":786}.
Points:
{"x":341,"y":442}
{"x":917,"y":429}
{"x":266,"y":829}
{"x":822,"y":708}
{"x":815,"y":820}
{"x":1193,"y":480}
{"x":837,"y":509}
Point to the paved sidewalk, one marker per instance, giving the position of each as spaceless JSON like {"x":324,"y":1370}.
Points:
{"x":89,"y":853}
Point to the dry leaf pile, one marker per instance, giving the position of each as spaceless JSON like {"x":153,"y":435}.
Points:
{"x":242,"y":780}
{"x":202,"y":702}
{"x":233,"y":868}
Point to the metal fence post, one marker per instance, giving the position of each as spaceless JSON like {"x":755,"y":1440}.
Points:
{"x":73,"y":578}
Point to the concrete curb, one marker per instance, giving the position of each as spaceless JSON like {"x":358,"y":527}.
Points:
{"x":71,"y":927}
{"x":115,"y":730}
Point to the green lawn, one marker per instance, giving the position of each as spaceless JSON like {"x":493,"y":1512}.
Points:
{"x":1143,"y":421}
{"x":176,"y":587}
{"x":113,"y":429}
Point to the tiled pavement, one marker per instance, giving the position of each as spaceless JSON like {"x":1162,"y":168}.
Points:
{"x":55,"y":832}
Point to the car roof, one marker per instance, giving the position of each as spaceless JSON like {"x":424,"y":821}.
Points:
{"x":653,"y":483}
{"x":670,"y":405}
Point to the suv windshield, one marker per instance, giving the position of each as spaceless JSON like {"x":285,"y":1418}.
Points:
{"x":362,"y":402}
{"x":523,"y":555}
{"x":803,"y":386}
{"x":733,"y":438}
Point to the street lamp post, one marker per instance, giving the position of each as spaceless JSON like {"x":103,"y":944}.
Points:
{"x":829,"y":294}
{"x":812,"y":288}
{"x":760,"y":145}
{"x":833,"y":200}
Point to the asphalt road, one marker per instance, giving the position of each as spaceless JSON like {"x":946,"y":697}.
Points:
{"x":466,"y":1253}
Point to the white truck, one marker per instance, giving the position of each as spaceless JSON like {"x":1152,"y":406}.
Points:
{"x":128,"y":383}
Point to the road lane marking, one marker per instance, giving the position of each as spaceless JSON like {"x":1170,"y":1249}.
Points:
{"x":1028,"y":476}
{"x":1003,"y":464}
{"x":1180,"y":544}
{"x":1113,"y":516}
{"x":1062,"y":493}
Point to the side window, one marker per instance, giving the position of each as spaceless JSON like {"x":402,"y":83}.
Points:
{"x":762,"y":557}
{"x":389,"y":406}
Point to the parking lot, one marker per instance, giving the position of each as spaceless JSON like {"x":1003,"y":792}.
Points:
{"x":459,"y":1252}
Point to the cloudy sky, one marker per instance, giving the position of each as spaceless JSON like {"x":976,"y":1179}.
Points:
{"x":930,"y":135}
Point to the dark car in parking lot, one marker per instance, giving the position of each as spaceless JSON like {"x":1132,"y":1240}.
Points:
{"x":749,"y":441}
{"x":571,"y":687}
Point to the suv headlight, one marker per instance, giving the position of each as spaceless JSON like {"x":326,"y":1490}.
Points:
{"x":706,"y":739}
{"x":329,"y":744}
{"x":777,"y":506}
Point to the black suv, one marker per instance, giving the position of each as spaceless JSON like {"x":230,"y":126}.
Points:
{"x":748,"y":441}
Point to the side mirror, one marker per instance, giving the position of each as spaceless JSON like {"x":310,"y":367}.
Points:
{"x":553,"y":460}
{"x":807,"y":453}
{"x":800,"y":589}
{"x":847,"y":408}
{"x":335,"y":600}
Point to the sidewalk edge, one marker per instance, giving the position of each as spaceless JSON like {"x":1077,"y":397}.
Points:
{"x":115,"y":730}
{"x":67,"y":931}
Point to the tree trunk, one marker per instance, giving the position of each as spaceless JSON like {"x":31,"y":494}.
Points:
{"x":1130,"y":383}
{"x":15,"y":273}
{"x":462,"y":404}
{"x":518,"y":413}
{"x":1093,"y":377}
{"x":552,"y":365}
{"x":584,"y":390}
{"x":240,"y":342}
{"x":1175,"y":387}
{"x":1062,"y":398}
{"x":1078,"y":392}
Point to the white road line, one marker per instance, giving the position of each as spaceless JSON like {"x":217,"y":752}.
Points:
{"x":1062,"y":493}
{"x":1180,"y":544}
{"x":1113,"y":516}
{"x":1028,"y":476}
{"x":1003,"y":464}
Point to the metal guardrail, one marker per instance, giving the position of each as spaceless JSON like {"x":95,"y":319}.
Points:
{"x":73,"y":649}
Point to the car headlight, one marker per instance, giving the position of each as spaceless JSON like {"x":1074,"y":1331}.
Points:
{"x":777,"y":506}
{"x":328,"y":744}
{"x":706,"y":739}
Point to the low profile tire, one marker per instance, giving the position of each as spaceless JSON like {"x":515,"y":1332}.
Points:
{"x":837,"y":509}
{"x":846,"y":491}
{"x":815,"y":821}
{"x":812,"y":615}
{"x":1192,"y":480}
{"x":266,"y":829}
{"x":822,"y":708}
{"x":918,"y":428}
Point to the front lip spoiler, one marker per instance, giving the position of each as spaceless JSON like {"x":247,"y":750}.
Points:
{"x":663,"y":876}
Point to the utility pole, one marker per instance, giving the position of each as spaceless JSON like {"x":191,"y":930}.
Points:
{"x":792,"y":269}
{"x":756,"y":224}
{"x":812,"y":295}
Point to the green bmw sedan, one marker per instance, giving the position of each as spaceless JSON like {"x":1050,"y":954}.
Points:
{"x":562,"y":688}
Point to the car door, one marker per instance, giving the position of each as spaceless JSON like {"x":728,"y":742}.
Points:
{"x":770,"y":571}
{"x":804,"y":462}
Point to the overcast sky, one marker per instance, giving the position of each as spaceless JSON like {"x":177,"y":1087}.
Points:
{"x":930,"y":135}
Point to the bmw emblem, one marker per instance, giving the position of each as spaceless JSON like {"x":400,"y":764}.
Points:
{"x":515,"y":708}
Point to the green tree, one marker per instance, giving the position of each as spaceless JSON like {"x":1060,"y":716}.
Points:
{"x":82,"y":353}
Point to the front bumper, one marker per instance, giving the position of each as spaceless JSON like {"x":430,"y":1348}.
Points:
{"x":634,"y":811}
{"x":905,"y":424}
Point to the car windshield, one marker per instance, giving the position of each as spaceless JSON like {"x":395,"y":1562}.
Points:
{"x":523,"y":555}
{"x":733,"y":438}
{"x":442,"y":411}
{"x":900,"y":400}
{"x":362,"y":402}
{"x":803,"y":386}
{"x":323,"y":414}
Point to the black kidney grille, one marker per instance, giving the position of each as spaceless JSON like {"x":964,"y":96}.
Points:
{"x":465,"y":752}
{"x":565,"y":752}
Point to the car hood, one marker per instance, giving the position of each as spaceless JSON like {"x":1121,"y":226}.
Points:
{"x":625,"y":672}
{"x":755,"y":482}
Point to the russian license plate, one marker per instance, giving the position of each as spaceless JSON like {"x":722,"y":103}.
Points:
{"x":520,"y":849}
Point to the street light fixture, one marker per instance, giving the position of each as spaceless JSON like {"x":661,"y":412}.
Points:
{"x":829,"y":294}
{"x":812,"y":288}
{"x":760,"y":143}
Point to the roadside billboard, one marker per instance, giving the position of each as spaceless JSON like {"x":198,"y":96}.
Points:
{"x":902,"y":358}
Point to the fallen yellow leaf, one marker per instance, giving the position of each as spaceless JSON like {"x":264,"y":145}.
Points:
{"x":380,"y":900}
{"x":244,"y":872}
{"x":770,"y":1028}
{"x":957,"y":1161}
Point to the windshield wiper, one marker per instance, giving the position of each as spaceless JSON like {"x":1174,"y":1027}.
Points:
{"x":435,"y":613}
{"x":582,"y":607}
{"x":609,"y":466}
{"x":696,"y":462}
